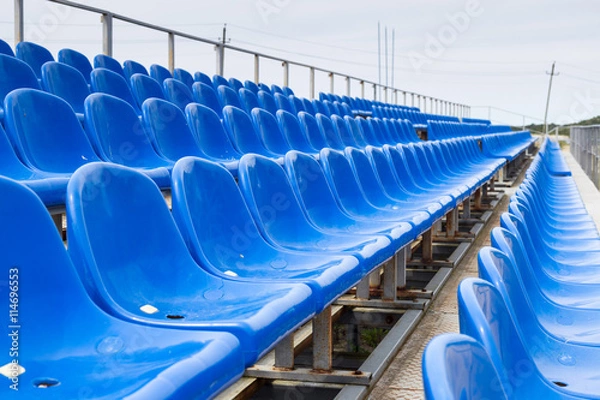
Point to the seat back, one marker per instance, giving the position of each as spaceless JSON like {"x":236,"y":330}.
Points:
{"x":45,"y":132}
{"x":202,"y":78}
{"x":183,"y":76}
{"x":249,"y":100}
{"x":104,"y":61}
{"x":242,"y":132}
{"x":266,"y":101}
{"x":287,"y":91}
{"x":297,"y":103}
{"x":15,"y":74}
{"x":228,"y":97}
{"x":109,"y":82}
{"x":251,"y":86}
{"x":177,"y":93}
{"x":131,"y":68}
{"x":269,"y":131}
{"x":117,"y":132}
{"x":10,"y":165}
{"x":275,"y":89}
{"x":343,"y":131}
{"x":290,"y":126}
{"x":6,"y":49}
{"x":160,"y":73}
{"x":205,"y":95}
{"x":210,"y":133}
{"x":331,"y":134}
{"x":218,"y":80}
{"x":65,"y":82}
{"x":76,"y":60}
{"x":312,"y":131}
{"x":34,"y":55}
{"x":236,"y":84}
{"x":144,"y":87}
{"x":284,"y":103}
{"x":168,"y":130}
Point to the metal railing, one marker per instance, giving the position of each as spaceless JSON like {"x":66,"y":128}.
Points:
{"x":384,"y":93}
{"x":585,"y":147}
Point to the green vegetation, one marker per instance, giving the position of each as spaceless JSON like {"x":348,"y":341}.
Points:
{"x":562,"y":130}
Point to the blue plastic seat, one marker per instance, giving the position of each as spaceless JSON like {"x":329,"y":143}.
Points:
{"x":69,"y":348}
{"x":486,"y":317}
{"x":131,"y":68}
{"x":143,"y":272}
{"x":265,"y":88}
{"x":343,"y":131}
{"x":76,"y":60}
{"x":236,"y":84}
{"x":50,"y":188}
{"x":14,"y":74}
{"x":457,"y":367}
{"x":207,"y":203}
{"x":6,"y":49}
{"x":211,"y":136}
{"x":177,"y":93}
{"x":160,"y":73}
{"x":290,"y":126}
{"x":205,"y":95}
{"x":109,"y":63}
{"x":275,"y":89}
{"x":308,"y":107}
{"x":109,"y":82}
{"x":248,"y":100}
{"x":270,"y":132}
{"x":297,"y":103}
{"x":202,"y":78}
{"x":331,"y":134}
{"x":45,"y":132}
{"x":228,"y":97}
{"x":243,"y":133}
{"x":67,"y":83}
{"x":284,"y":103}
{"x":267,"y":101}
{"x":183,"y":76}
{"x":312,"y":131}
{"x":251,"y":86}
{"x":118,"y":136}
{"x":287,"y":91}
{"x":34,"y":55}
{"x":143,"y":87}
{"x":218,"y":80}
{"x":275,"y":209}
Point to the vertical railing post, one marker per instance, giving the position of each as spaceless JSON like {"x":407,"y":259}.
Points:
{"x":374,"y":91}
{"x":412,"y":99}
{"x":171,"y":51}
{"x":256,"y":69}
{"x":348,"y":86}
{"x":362,"y":89}
{"x":107,"y":34}
{"x":19,"y":24}
{"x":404,"y":98}
{"x":286,"y":73}
{"x":312,"y":83}
{"x":331,"y":82}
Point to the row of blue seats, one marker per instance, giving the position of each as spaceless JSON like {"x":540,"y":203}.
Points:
{"x":359,"y":105}
{"x":418,"y":118}
{"x":507,"y":145}
{"x":439,"y":130}
{"x":258,"y":279}
{"x":529,"y":324}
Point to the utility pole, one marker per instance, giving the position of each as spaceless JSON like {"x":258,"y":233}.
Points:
{"x":552,"y":74}
{"x":379,"y":51}
{"x":221,"y":52}
{"x":393,"y":48}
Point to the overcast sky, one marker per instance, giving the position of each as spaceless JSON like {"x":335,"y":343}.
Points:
{"x":477,"y":52}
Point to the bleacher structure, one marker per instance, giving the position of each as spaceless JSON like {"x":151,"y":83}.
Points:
{"x":217,"y":232}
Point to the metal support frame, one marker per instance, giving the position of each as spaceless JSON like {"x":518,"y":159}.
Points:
{"x":284,"y":353}
{"x":466,"y":214}
{"x":171,"y":54}
{"x":331,"y":82}
{"x":427,"y":246}
{"x":348,"y":86}
{"x":312,"y":83}
{"x":362,"y":89}
{"x":256,"y":69}
{"x":400,"y":259}
{"x":286,"y":73}
{"x":19,"y":22}
{"x":322,"y":340}
{"x":107,"y":34}
{"x":451,"y":226}
{"x":477,"y":199}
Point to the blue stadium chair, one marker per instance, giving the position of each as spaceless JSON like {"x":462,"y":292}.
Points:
{"x":297,"y":103}
{"x":262,"y":180}
{"x":34,"y":55}
{"x":276,"y":89}
{"x":206,"y":95}
{"x":267,"y":101}
{"x":211,"y":136}
{"x":131,"y":68}
{"x":287,"y":91}
{"x":308,"y":107}
{"x":164,"y":286}
{"x":251,"y":86}
{"x":249,"y":100}
{"x":143,"y":87}
{"x":333,"y":108}
{"x":343,"y":131}
{"x":6,"y":49}
{"x":264,"y":87}
{"x":319,"y":107}
{"x":243,"y":133}
{"x":331,"y":134}
{"x":45,"y":132}
{"x":14,"y":74}
{"x":228,"y":97}
{"x":50,"y":188}
{"x":312,"y":131}
{"x":183,"y":76}
{"x":368,"y":132}
{"x":218,"y":80}
{"x":84,"y":351}
{"x":270,"y":132}
{"x":320,"y":207}
{"x":484,"y":315}
{"x":108,"y":82}
{"x":118,"y":136}
{"x":236,"y":84}
{"x":284,"y":103}
{"x":177,"y":93}
{"x":160,"y":73}
{"x":457,"y":367}
{"x":290,"y":126}
{"x":207,"y":203}
{"x":104,"y":61}
{"x":67,"y":83}
{"x":76,"y":60}
{"x":202,"y":78}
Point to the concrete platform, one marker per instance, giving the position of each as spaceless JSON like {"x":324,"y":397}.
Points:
{"x":589,"y":192}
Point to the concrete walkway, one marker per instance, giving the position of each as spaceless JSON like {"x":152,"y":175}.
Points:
{"x":589,"y":192}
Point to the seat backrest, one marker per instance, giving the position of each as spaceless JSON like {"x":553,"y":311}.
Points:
{"x":202,"y":78}
{"x":177,"y":93}
{"x":269,"y":131}
{"x":15,"y":74}
{"x":183,"y":76}
{"x":76,"y":60}
{"x":251,"y":86}
{"x":144,"y":87}
{"x":308,"y":107}
{"x":290,"y":126}
{"x":6,"y":49}
{"x":236,"y":84}
{"x":228,"y":97}
{"x":248,"y":99}
{"x":275,"y":89}
{"x":131,"y":68}
{"x":10,"y":165}
{"x":210,"y":133}
{"x":205,"y":95}
{"x":168,"y":130}
{"x":117,"y":132}
{"x":266,"y":101}
{"x":65,"y":82}
{"x":456,"y":366}
{"x":45,"y":132}
{"x":287,"y":91}
{"x":109,"y":82}
{"x":297,"y":103}
{"x":343,"y":131}
{"x":104,"y":61}
{"x":242,"y":132}
{"x":312,"y":131}
{"x":218,"y":80}
{"x":331,"y":134}
{"x":34,"y":55}
{"x":160,"y":73}
{"x":284,"y":103}
{"x":266,"y":88}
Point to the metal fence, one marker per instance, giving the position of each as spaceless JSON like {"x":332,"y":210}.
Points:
{"x":368,"y":88}
{"x":585,"y":147}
